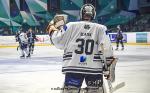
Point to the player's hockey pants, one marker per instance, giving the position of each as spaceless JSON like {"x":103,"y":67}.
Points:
{"x":73,"y":83}
{"x":119,"y":41}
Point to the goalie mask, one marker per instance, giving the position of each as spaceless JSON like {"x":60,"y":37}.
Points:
{"x":88,"y":9}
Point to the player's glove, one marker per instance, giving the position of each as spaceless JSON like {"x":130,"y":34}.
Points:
{"x":55,"y":24}
{"x":51,"y":29}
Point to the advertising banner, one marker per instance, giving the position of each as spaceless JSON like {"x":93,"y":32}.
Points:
{"x":113,"y":37}
{"x":141,"y":37}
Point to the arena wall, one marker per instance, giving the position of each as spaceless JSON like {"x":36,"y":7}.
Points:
{"x":129,"y":38}
{"x":133,"y":37}
{"x":10,"y":41}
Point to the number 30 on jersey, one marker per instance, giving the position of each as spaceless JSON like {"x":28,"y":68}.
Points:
{"x":85,"y":46}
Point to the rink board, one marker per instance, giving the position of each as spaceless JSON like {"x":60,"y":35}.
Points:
{"x":133,"y":38}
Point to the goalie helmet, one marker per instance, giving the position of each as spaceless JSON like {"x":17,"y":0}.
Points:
{"x":88,"y":9}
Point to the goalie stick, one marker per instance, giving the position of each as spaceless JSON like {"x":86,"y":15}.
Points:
{"x":111,"y":78}
{"x":110,"y":88}
{"x":118,"y":86}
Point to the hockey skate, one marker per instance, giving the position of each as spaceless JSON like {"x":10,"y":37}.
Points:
{"x":23,"y":56}
{"x":28,"y":56}
{"x":116,"y":48}
{"x":122,"y":48}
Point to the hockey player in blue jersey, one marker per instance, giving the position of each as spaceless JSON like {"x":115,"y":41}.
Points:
{"x":84,"y":44}
{"x":119,"y":38}
{"x":31,"y":40}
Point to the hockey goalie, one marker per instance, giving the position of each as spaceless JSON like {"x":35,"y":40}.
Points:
{"x":87,"y":51}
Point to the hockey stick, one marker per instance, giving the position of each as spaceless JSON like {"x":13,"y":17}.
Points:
{"x":109,"y":88}
{"x":118,"y":86}
{"x":109,"y":82}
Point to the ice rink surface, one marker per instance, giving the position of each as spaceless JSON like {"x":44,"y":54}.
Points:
{"x":42,"y":72}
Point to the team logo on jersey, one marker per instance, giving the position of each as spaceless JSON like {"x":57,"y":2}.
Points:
{"x":82,"y":60}
{"x":86,"y":26}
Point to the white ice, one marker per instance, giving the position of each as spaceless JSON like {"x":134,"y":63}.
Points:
{"x":42,"y":72}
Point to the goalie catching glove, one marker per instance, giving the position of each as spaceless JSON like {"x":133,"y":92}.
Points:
{"x":56,"y":23}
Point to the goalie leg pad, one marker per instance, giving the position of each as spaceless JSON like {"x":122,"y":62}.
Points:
{"x":112,"y":70}
{"x":111,"y":64}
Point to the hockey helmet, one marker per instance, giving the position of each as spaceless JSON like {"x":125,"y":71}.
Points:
{"x":88,"y":9}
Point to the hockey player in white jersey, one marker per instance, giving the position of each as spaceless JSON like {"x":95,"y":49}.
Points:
{"x":23,"y":41}
{"x":83,"y":43}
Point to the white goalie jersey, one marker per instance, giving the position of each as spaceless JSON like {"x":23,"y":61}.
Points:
{"x":83,"y":44}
